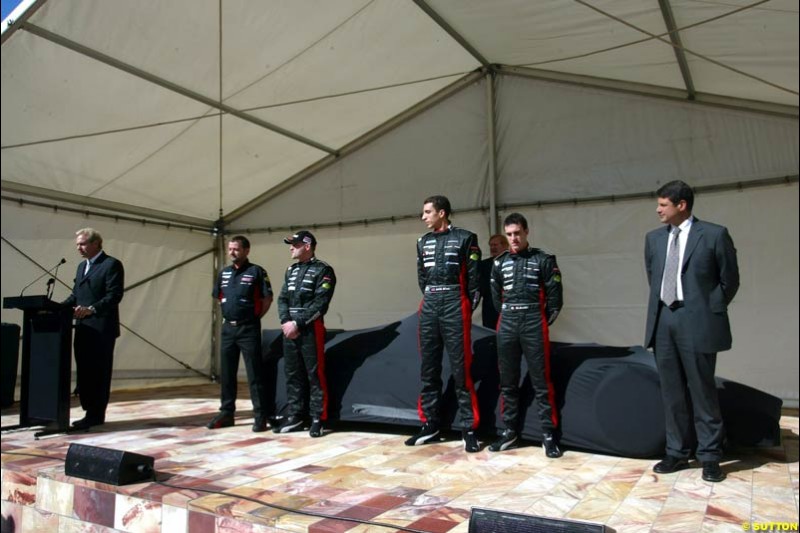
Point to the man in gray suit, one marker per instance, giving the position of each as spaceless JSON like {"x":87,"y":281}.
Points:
{"x":693,"y":275}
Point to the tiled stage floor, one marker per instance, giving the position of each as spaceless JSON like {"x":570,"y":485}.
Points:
{"x":365,"y":473}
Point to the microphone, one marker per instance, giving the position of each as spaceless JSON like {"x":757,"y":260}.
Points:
{"x":51,"y":283}
{"x":43,"y":275}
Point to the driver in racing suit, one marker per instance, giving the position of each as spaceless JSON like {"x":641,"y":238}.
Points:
{"x":447,"y":269}
{"x":526,"y":288}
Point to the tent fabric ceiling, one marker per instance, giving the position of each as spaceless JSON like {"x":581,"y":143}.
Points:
{"x":329,"y":73}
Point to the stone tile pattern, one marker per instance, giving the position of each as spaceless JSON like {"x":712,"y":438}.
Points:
{"x":234,"y":481}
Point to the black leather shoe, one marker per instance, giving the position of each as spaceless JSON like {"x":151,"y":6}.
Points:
{"x":550,"y":445}
{"x":506,"y":441}
{"x":222,"y":420}
{"x":316,"y":428}
{"x":712,"y":472}
{"x":670,"y":465}
{"x":260,"y":424}
{"x":470,"y":441}
{"x":86,"y":423}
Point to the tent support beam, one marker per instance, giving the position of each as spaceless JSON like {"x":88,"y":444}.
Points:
{"x":122,"y":325}
{"x":15,"y":24}
{"x":452,"y":32}
{"x":358,"y":143}
{"x":216,"y":313}
{"x":707,"y":189}
{"x":491,"y":123}
{"x":644,"y":89}
{"x":147,"y":76}
{"x":169,"y":269}
{"x":116,"y":207}
{"x":677,"y":47}
{"x":704,"y":189}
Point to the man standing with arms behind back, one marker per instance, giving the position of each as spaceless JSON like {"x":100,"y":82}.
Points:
{"x":98,"y":289}
{"x":693,"y":275}
{"x":447,"y":271}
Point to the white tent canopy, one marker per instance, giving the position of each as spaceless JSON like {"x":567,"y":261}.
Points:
{"x":199,"y":117}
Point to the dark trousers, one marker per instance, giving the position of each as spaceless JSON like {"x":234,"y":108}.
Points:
{"x":94,"y":363}
{"x":304,"y":363}
{"x":688,"y":389}
{"x":244,"y":339}
{"x":445,"y":322}
{"x":525,"y":332}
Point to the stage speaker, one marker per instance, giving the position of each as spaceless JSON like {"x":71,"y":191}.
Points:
{"x":115,"y":467}
{"x":493,"y":521}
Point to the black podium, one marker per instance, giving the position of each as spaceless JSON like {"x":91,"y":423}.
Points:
{"x":46,"y":363}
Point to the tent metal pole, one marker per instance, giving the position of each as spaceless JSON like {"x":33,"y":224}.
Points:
{"x":702,"y":189}
{"x":643,"y":89}
{"x":122,"y":325}
{"x":99,"y":203}
{"x":357,"y":144}
{"x":452,"y":32}
{"x":680,"y":55}
{"x":216,"y":314}
{"x":12,"y":25}
{"x":169,"y":269}
{"x":492,"y":149}
{"x":644,"y":195}
{"x":166,"y":84}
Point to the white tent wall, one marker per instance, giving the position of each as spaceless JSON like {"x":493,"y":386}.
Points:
{"x":173,"y":311}
{"x":559,"y":141}
{"x":443,"y":150}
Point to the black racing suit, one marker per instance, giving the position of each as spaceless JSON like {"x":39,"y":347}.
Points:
{"x":305,"y":297}
{"x":447,"y":270}
{"x":240,"y":292}
{"x":526,"y":288}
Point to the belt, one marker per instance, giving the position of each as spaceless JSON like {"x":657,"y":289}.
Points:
{"x":442,"y":288}
{"x":677,"y":304}
{"x":236,"y":323}
{"x":519,"y":307}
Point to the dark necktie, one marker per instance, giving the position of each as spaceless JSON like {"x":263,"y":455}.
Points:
{"x":669,"y":290}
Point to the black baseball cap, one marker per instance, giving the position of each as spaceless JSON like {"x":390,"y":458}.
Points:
{"x":301,"y":237}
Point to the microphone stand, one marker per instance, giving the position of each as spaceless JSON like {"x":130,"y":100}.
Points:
{"x":43,"y":275}
{"x":51,"y":283}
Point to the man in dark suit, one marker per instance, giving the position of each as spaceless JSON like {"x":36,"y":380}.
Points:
{"x":693,"y":275}
{"x":99,"y":284}
{"x":498,"y":244}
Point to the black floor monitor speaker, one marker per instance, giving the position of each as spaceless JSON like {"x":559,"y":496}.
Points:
{"x":494,"y":521}
{"x":115,"y":467}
